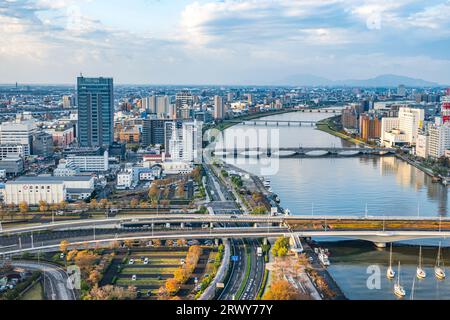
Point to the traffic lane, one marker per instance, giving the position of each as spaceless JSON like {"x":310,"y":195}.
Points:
{"x":46,"y":239}
{"x":56,"y":279}
{"x":238,"y":272}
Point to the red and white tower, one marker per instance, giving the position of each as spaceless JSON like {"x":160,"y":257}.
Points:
{"x":445,"y":108}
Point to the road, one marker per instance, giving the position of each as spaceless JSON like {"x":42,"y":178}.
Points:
{"x":237,"y":271}
{"x":55,"y":279}
{"x":257,"y":267}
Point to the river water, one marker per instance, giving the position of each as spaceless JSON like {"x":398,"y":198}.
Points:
{"x":353,"y":186}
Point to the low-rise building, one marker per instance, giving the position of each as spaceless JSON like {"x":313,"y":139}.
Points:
{"x":47,"y":188}
{"x":124,"y":180}
{"x":90,"y":163}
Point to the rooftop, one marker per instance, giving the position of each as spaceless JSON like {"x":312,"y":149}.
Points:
{"x":49,"y":179}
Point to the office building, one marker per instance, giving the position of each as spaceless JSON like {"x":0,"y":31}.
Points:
{"x":439,"y":140}
{"x":369,"y":127}
{"x":18,"y":132}
{"x":218,"y":108}
{"x":90,"y":163}
{"x":95,"y":111}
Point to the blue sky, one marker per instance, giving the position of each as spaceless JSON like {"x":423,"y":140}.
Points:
{"x":222,"y":42}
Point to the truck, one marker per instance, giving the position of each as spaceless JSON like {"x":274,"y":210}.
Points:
{"x":259,"y":251}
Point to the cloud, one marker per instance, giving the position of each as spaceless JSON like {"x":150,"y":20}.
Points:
{"x":225,"y":41}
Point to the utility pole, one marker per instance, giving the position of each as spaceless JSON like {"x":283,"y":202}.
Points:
{"x":32,"y":241}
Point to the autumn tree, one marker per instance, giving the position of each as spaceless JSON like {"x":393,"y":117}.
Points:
{"x":85,"y":260}
{"x":153,"y":192}
{"x":103,"y":203}
{"x":172,"y":286}
{"x":63,"y":205}
{"x":43,"y":206}
{"x":71,"y":255}
{"x":93,"y":204}
{"x":143,"y":205}
{"x":110,"y":292}
{"x":94,"y":277}
{"x":281,"y":247}
{"x":63,"y":246}
{"x":23,"y":207}
{"x":281,"y":290}
{"x":134,"y":202}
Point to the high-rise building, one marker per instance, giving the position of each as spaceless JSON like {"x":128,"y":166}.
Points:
{"x":445,"y":108}
{"x":95,"y":111}
{"x":401,"y":90}
{"x":185,"y":144}
{"x":439,"y":140}
{"x":162,"y":105}
{"x":410,"y":121}
{"x":369,"y":127}
{"x":218,"y":108}
{"x":69,"y":101}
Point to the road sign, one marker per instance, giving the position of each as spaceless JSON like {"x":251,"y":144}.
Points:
{"x":234,"y":258}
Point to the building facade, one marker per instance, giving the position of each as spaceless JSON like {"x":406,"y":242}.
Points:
{"x":95,"y":111}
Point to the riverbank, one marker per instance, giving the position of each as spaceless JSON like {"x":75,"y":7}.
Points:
{"x":328,"y":125}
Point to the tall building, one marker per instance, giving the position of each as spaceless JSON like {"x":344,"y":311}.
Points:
{"x":439,"y":140}
{"x":401,"y":90}
{"x":185,"y":144}
{"x":162,"y":105}
{"x":410,"y":121}
{"x":445,"y":108}
{"x":18,"y":132}
{"x":95,"y":111}
{"x":369,"y":127}
{"x":218,"y":108}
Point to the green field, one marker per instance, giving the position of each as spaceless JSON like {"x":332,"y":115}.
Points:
{"x":34,"y":293}
{"x":155,"y":271}
{"x":140,"y":282}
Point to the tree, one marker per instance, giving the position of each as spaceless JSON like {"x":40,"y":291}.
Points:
{"x":110,"y":292}
{"x":71,"y":254}
{"x":134,"y":202}
{"x":153,"y":192}
{"x":63,"y":246}
{"x":281,"y":290}
{"x":172,"y":286}
{"x":93,"y":204}
{"x":23,"y":207}
{"x":94,"y":277}
{"x":103,"y":203}
{"x":143,"y":205}
{"x":281,"y":246}
{"x":85,"y":260}
{"x":43,"y":206}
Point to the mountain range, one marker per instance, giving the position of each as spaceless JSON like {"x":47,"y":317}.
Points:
{"x":386,"y":80}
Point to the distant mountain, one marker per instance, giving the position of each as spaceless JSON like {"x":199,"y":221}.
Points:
{"x":386,"y":80}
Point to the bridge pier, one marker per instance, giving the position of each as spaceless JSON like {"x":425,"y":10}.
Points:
{"x":182,"y":225}
{"x":265,"y":241}
{"x":216,"y":242}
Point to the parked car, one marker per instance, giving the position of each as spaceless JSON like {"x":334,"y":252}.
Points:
{"x":131,"y":261}
{"x":134,"y":277}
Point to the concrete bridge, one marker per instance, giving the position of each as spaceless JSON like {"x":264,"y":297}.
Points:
{"x":379,"y":238}
{"x":274,"y":122}
{"x":379,"y":230}
{"x":300,"y":151}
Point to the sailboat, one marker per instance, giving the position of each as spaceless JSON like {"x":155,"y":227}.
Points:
{"x":390,"y":273}
{"x":398,"y":288}
{"x":439,"y":267}
{"x":421,"y":274}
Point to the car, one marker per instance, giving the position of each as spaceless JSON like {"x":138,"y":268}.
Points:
{"x":134,"y":277}
{"x":146,"y":261}
{"x":206,"y":275}
{"x":61,"y":256}
{"x":234,"y":217}
{"x":131,"y":261}
{"x":149,"y":293}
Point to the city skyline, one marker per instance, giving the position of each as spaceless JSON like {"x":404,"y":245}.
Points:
{"x":222,"y":42}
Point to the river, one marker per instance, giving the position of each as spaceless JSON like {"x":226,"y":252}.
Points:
{"x":353,"y":186}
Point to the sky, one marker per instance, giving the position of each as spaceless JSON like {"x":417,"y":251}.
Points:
{"x":222,"y":42}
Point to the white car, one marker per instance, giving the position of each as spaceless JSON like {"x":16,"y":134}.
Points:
{"x":133,"y":278}
{"x":131,"y":261}
{"x":146,"y":261}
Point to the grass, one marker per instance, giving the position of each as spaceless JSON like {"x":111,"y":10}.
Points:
{"x":158,"y":262}
{"x":35,"y":293}
{"x":140,"y":282}
{"x":210,"y":266}
{"x":155,"y":271}
{"x":326,"y":125}
{"x":161,"y":254}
